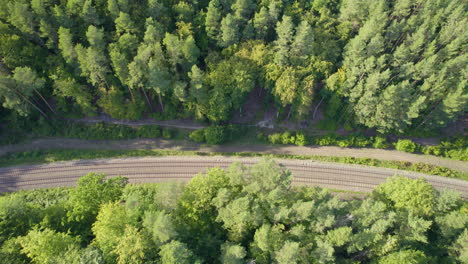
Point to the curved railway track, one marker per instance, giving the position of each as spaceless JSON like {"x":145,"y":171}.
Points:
{"x":156,"y":169}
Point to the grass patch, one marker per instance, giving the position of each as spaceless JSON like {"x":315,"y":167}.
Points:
{"x":46,"y":156}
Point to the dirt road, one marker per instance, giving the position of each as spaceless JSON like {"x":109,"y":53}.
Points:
{"x":63,"y":143}
{"x":182,"y":168}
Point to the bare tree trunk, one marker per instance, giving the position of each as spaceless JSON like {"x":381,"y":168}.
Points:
{"x":45,"y":101}
{"x":147,"y":99}
{"x":31,"y":103}
{"x":316,"y":108}
{"x":289,"y":113}
{"x":131,"y":93}
{"x":160,"y":102}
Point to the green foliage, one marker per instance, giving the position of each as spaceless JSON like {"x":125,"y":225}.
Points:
{"x":176,"y":252}
{"x":198,"y":135}
{"x":388,"y":88}
{"x":148,"y":131}
{"x":399,"y":70}
{"x":244,"y":213}
{"x":167,"y":133}
{"x":133,"y":247}
{"x":217,"y":134}
{"x":287,"y":138}
{"x":275,"y":138}
{"x":232,"y":253}
{"x":48,"y":246}
{"x":380,"y":143}
{"x":406,"y":145}
{"x":301,"y":139}
{"x":16,"y":217}
{"x":406,"y":256}
{"x":417,"y":196}
{"x":109,"y":228}
{"x":92,"y":191}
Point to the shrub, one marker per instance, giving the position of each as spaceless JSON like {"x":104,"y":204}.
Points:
{"x":275,"y":138}
{"x":406,"y":145}
{"x":380,"y":142}
{"x":235,"y":132}
{"x":262,"y":137}
{"x":326,"y":140}
{"x":361,"y":141}
{"x":287,"y":138}
{"x":459,"y":154}
{"x":166,"y":133}
{"x":149,"y":131}
{"x":215,"y":135}
{"x":44,"y":128}
{"x":301,"y":139}
{"x":198,"y":135}
{"x":343,"y":143}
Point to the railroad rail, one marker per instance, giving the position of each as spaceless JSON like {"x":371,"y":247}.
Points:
{"x":157,"y":169}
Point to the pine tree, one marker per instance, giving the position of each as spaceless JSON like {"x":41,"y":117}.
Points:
{"x":261,"y":23}
{"x":65,"y":44}
{"x":303,"y":42}
{"x":243,"y":9}
{"x":190,"y":50}
{"x":90,"y":14}
{"x":229,"y":31}
{"x":21,"y":17}
{"x":213,"y":19}
{"x":400,"y":71}
{"x":285,"y":32}
{"x":124,"y":24}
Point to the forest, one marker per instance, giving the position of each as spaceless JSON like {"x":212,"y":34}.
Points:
{"x":238,"y":215}
{"x":387,"y":65}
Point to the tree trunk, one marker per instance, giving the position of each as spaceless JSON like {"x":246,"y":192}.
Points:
{"x":160,"y":102}
{"x":45,"y":101}
{"x":131,"y":93}
{"x":316,"y":108}
{"x":147,"y":99}
{"x":32,"y":104}
{"x":289,"y":113}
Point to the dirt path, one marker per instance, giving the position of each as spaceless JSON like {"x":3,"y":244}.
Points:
{"x":62,"y":143}
{"x":183,"y":168}
{"x":185,"y":124}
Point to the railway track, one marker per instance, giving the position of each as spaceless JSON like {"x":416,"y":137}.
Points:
{"x":157,"y":169}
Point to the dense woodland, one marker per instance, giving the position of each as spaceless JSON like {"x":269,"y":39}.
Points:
{"x":388,"y":65}
{"x":232,"y":216}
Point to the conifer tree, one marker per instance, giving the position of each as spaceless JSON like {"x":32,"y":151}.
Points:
{"x":229,"y":31}
{"x":285,"y":32}
{"x":213,"y":19}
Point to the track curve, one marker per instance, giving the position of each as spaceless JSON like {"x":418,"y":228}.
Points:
{"x":183,"y":168}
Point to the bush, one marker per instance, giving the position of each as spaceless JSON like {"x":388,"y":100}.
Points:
{"x":459,"y":154}
{"x":235,"y":131}
{"x":301,"y":139}
{"x":215,"y":134}
{"x":262,"y":137}
{"x":406,"y":145}
{"x":198,"y":135}
{"x":149,"y":131}
{"x":361,"y":141}
{"x":343,"y":143}
{"x":275,"y":138}
{"x":326,"y":140}
{"x":287,"y":138}
{"x":166,"y":133}
{"x":44,"y":128}
{"x":380,"y":143}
